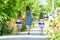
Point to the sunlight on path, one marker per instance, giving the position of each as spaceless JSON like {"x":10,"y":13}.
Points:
{"x":23,"y":37}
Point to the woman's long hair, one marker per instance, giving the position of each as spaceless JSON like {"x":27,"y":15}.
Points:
{"x":19,"y":14}
{"x":41,"y":16}
{"x":27,"y":8}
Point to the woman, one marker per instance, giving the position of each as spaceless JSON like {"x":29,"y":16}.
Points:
{"x":19,"y":22}
{"x":41,"y":21}
{"x":28,"y":19}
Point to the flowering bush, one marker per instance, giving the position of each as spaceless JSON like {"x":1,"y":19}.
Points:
{"x":54,"y":32}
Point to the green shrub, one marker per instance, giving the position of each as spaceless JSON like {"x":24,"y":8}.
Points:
{"x":55,"y":35}
{"x":23,"y":27}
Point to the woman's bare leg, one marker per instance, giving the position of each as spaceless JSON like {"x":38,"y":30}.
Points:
{"x":28,"y":28}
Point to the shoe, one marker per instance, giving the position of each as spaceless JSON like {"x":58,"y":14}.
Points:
{"x":28,"y":33}
{"x":17,"y":34}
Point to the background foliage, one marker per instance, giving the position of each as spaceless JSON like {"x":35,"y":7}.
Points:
{"x":9,"y":8}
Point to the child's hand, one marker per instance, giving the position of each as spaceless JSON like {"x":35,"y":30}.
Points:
{"x":23,"y":20}
{"x":33,"y":19}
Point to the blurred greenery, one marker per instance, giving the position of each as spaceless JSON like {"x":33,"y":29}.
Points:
{"x":9,"y":8}
{"x":54,"y":32}
{"x":55,"y":35}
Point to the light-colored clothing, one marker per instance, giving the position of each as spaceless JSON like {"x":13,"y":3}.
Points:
{"x":18,"y":22}
{"x":41,"y":22}
{"x":51,"y":18}
{"x":28,"y":17}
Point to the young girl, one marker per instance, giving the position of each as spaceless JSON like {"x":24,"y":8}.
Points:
{"x":41,"y":21}
{"x":19,"y":22}
{"x":28,"y":19}
{"x":51,"y":18}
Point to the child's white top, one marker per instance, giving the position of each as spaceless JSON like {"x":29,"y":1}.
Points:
{"x":18,"y":20}
{"x":41,"y":21}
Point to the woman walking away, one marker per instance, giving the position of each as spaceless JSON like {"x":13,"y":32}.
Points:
{"x":41,"y":21}
{"x":28,"y":19}
{"x":19,"y":22}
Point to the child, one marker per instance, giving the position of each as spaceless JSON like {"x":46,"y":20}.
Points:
{"x":28,"y":19}
{"x":51,"y":18}
{"x":41,"y":21}
{"x":19,"y":22}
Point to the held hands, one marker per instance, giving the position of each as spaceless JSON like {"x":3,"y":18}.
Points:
{"x":23,"y":21}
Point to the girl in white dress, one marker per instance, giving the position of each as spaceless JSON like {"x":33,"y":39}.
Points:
{"x":19,"y":22}
{"x":41,"y":21}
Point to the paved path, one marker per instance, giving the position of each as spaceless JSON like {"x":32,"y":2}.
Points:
{"x":34,"y":35}
{"x":25,"y":37}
